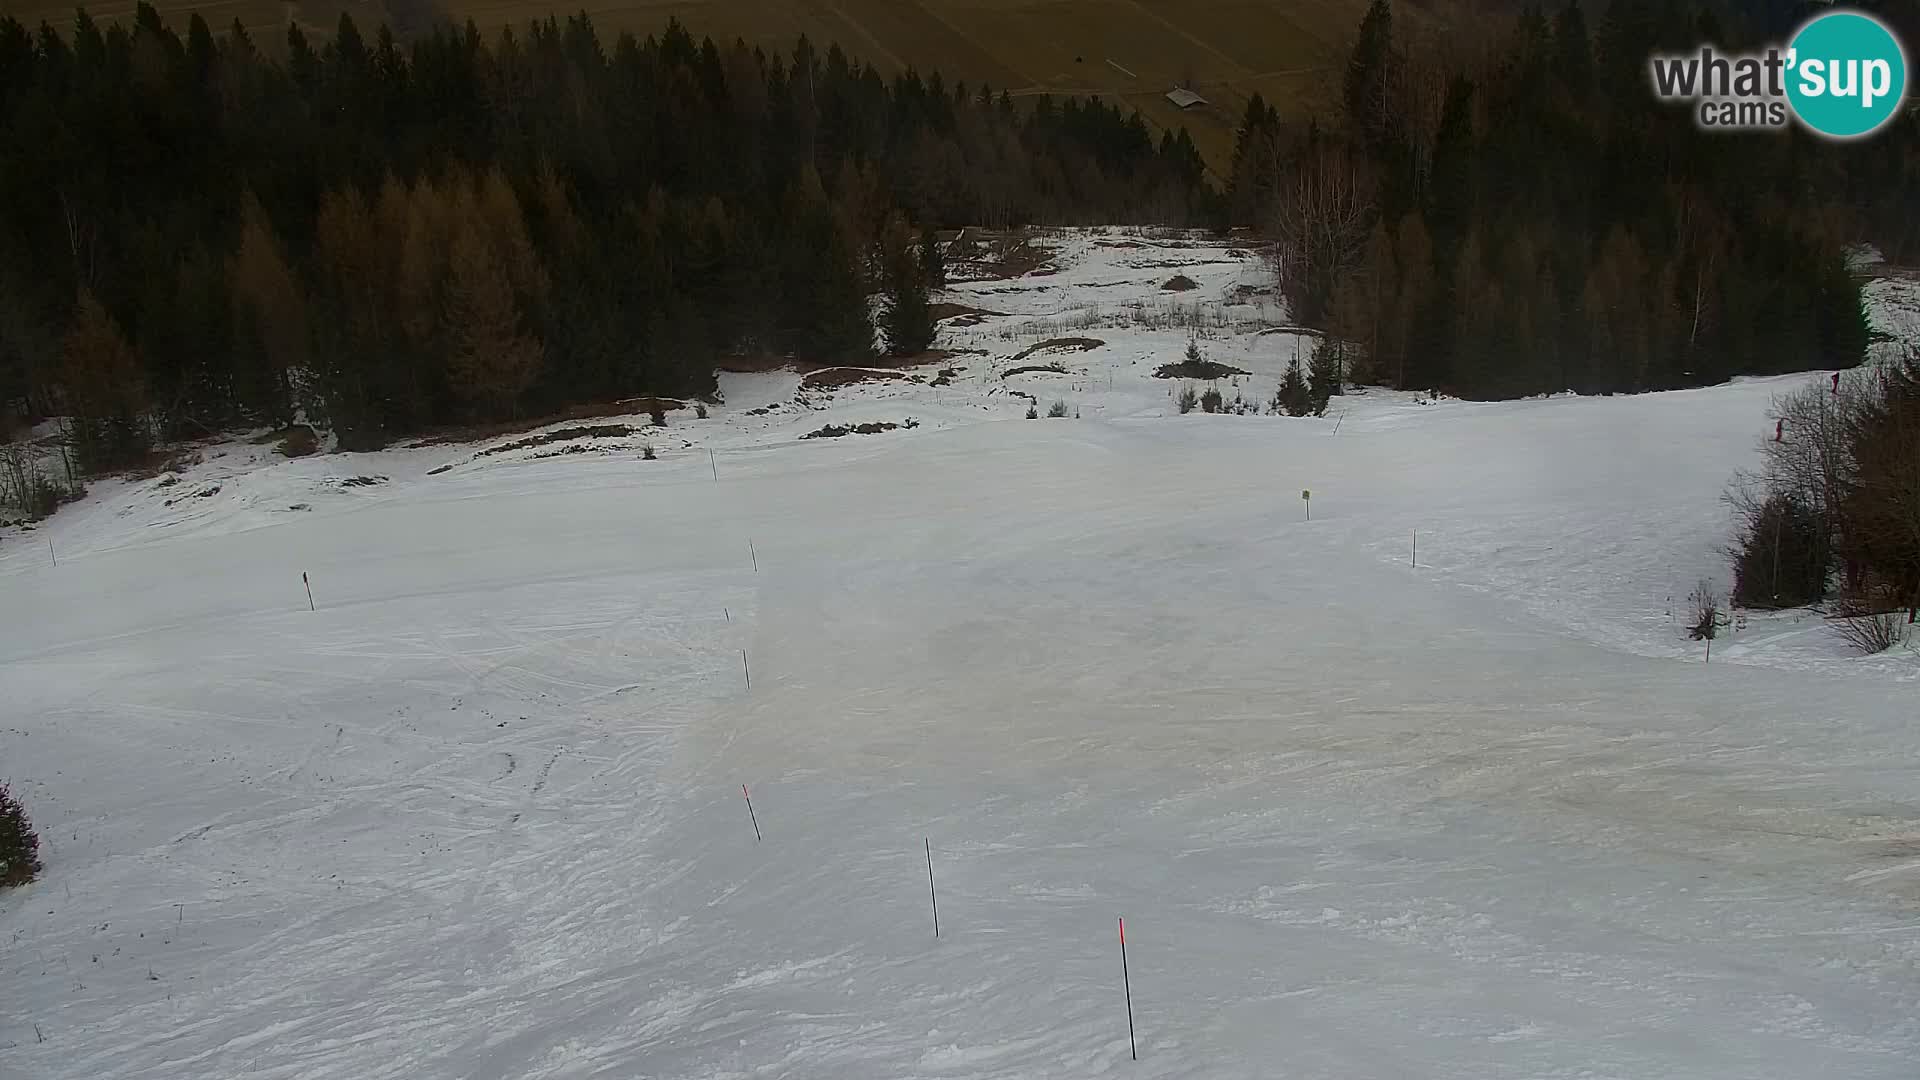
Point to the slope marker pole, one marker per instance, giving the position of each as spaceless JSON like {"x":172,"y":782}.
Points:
{"x":931,"y":895}
{"x":745,"y":670}
{"x":1127,"y":981}
{"x":753,"y":555}
{"x":309,"y":585}
{"x":750,"y":814}
{"x":713,"y":464}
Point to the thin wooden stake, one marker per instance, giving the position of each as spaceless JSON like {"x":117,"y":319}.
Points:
{"x":1127,"y":981}
{"x":755,"y":556}
{"x":309,"y":585}
{"x":712,"y":464}
{"x":745,"y":669}
{"x":1416,"y":547}
{"x":931,"y":895}
{"x":750,"y":814}
{"x":50,"y":554}
{"x":727,"y":613}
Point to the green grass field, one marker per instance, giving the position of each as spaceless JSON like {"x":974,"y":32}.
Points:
{"x":1129,"y":51}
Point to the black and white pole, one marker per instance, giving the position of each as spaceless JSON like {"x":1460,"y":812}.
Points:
{"x":750,"y":814}
{"x":1306,"y":500}
{"x":931,"y":895}
{"x":309,"y":585}
{"x":1127,"y":982}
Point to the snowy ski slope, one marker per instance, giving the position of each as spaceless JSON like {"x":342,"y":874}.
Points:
{"x":480,"y":814}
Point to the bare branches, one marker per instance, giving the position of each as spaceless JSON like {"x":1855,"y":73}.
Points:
{"x":1874,"y":633}
{"x":1321,"y":220}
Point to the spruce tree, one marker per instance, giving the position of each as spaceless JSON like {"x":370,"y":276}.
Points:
{"x":933,"y":262}
{"x":1323,"y":380}
{"x":1294,"y":397}
{"x":1367,"y":70}
{"x":840,"y":328}
{"x":106,"y":387}
{"x":909,"y":317}
{"x":19,"y":847}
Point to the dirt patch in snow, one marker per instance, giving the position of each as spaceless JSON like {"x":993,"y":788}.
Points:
{"x":968,"y":316}
{"x":835,"y":377}
{"x":837,"y":431}
{"x":1197,"y":369}
{"x":597,"y":431}
{"x":1055,"y":368}
{"x":591,"y":411}
{"x":1061,"y":344}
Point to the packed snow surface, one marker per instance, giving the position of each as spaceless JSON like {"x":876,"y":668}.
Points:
{"x":1485,"y":815}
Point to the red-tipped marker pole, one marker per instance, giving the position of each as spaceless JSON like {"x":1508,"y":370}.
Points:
{"x":750,"y":815}
{"x":1127,"y":981}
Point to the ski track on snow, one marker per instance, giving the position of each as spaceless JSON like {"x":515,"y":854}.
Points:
{"x":480,"y":814}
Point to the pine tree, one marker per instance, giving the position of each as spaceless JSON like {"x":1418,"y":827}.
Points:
{"x":1324,"y":374}
{"x":271,"y":336}
{"x":1413,"y":328}
{"x":106,"y":388}
{"x":1368,"y":71}
{"x":840,"y":328}
{"x":907,"y":315}
{"x":933,"y":262}
{"x":19,"y":847}
{"x":1574,"y":48}
{"x":491,"y":358}
{"x":1294,"y":397}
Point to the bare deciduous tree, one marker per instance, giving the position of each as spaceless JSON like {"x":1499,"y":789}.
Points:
{"x":1872,"y":633}
{"x":1879,"y":495}
{"x":1321,"y":222}
{"x":1703,"y":603}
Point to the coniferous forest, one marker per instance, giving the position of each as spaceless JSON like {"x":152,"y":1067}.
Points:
{"x":210,"y":231}
{"x":1522,"y":216}
{"x":203,"y":232}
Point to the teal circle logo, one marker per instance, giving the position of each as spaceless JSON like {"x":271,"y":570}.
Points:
{"x":1847,"y":75}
